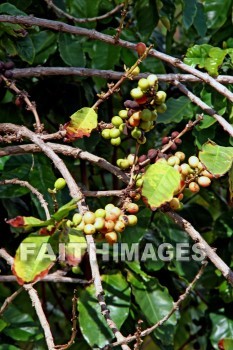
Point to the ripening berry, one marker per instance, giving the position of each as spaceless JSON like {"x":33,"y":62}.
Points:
{"x":173,"y":160}
{"x":116,"y":141}
{"x":116,"y":211}
{"x":136,"y":115}
{"x":77,"y":218}
{"x":132,"y":208}
{"x":60,"y":183}
{"x":143,"y":84}
{"x":134,"y":122}
{"x":208,"y":174}
{"x":119,"y":226}
{"x":99,"y":223}
{"x":174,"y":134}
{"x":204,"y":181}
{"x":141,"y":100}
{"x":124,"y":219}
{"x":111,"y":237}
{"x":108,"y":226}
{"x":185,"y":169}
{"x":152,"y":79}
{"x":109,"y":207}
{"x":136,"y":93}
{"x":175,"y":203}
{"x":116,"y":121}
{"x":141,"y":48}
{"x":180,"y":155}
{"x":194,"y":187}
{"x":106,"y":134}
{"x":100,"y":213}
{"x":193,"y":161}
{"x":89,"y":217}
{"x":141,"y":140}
{"x":135,"y":71}
{"x":132,"y":220}
{"x":132,"y":159}
{"x":89,"y":229}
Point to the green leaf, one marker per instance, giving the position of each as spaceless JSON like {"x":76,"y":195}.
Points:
{"x":45,"y":43}
{"x":104,"y":56}
{"x":154,"y":302}
{"x":34,"y":257}
{"x":64,"y":210}
{"x":177,"y":109}
{"x":84,"y":9}
{"x":134,"y":234}
{"x":200,"y":20}
{"x":8,"y":347}
{"x":216,"y":12}
{"x":146,"y":27}
{"x":222,"y":328}
{"x":159,"y":184}
{"x":3,"y":325}
{"x":71,"y":50}
{"x":82,"y":123}
{"x":11,"y":10}
{"x":92,"y":322}
{"x":189,"y":12}
{"x":217,"y":159}
{"x":25,"y":48}
{"x":231,"y":184}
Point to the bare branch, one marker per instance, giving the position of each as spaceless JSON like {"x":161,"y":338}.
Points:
{"x":203,"y":245}
{"x":9,"y":300}
{"x":56,"y":277}
{"x":175,"y":307}
{"x":207,"y":109}
{"x":110,"y":193}
{"x":93,"y":34}
{"x":59,"y":12}
{"x":107,"y":74}
{"x":40,"y":197}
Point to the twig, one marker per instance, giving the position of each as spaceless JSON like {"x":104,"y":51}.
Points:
{"x":126,"y":75}
{"x":203,"y":245}
{"x":207,"y":109}
{"x":121,"y":24}
{"x":55,"y":277}
{"x":92,"y":34}
{"x":175,"y":307}
{"x":70,"y":152}
{"x":9,"y":300}
{"x":74,"y":326}
{"x":59,"y":12}
{"x":31,"y":105}
{"x":6,"y":256}
{"x":110,"y":193}
{"x":107,"y":74}
{"x":32,"y":189}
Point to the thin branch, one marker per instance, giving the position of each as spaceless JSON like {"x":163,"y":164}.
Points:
{"x":40,"y":197}
{"x":70,"y":152}
{"x":6,"y":256}
{"x":121,"y":24}
{"x":175,"y":307}
{"x":9,"y":300}
{"x":107,"y":74}
{"x":203,"y":245}
{"x":31,"y":105}
{"x":55,"y":277}
{"x":59,"y":12}
{"x":93,"y":34}
{"x":207,"y":109}
{"x":110,"y":193}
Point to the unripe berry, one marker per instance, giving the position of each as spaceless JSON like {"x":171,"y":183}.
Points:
{"x":114,"y":133}
{"x":100,"y":213}
{"x":145,"y":126}
{"x":173,"y":160}
{"x":109,"y":207}
{"x":69,"y":223}
{"x":154,"y":115}
{"x":123,"y":163}
{"x":60,"y":183}
{"x":111,"y":237}
{"x":89,"y":229}
{"x":99,"y":223}
{"x":152,"y":79}
{"x":204,"y":181}
{"x":141,"y":48}
{"x":136,"y":71}
{"x":160,"y":97}
{"x":132,"y":208}
{"x":136,"y":133}
{"x":77,"y":218}
{"x":193,"y":161}
{"x":123,"y":113}
{"x":116,"y":121}
{"x":175,"y":203}
{"x":132,"y":220}
{"x":119,"y":226}
{"x":145,"y":115}
{"x":136,"y":93}
{"x":141,"y":141}
{"x":161,"y":108}
{"x":185,"y":169}
{"x":116,"y":141}
{"x":122,"y":127}
{"x":180,"y":155}
{"x":194,"y":187}
{"x":89,"y":217}
{"x":106,"y":134}
{"x":116,"y":211}
{"x":139,"y":182}
{"x":131,"y":158}
{"x":143,"y":84}
{"x":80,"y":227}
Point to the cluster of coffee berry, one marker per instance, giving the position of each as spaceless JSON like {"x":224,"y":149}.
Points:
{"x":108,"y":222}
{"x":173,"y":137}
{"x":5,"y":68}
{"x":140,"y":114}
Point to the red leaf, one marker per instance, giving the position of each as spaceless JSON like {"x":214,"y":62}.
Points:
{"x":18,"y":221}
{"x":221,"y":344}
{"x":39,"y":276}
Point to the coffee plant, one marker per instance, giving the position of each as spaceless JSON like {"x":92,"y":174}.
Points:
{"x":116,"y":169}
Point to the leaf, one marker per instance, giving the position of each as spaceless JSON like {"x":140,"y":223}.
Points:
{"x":71,"y":50}
{"x":231,"y":185}
{"x":92,"y":322}
{"x":3,"y":325}
{"x":45,"y":44}
{"x":104,"y":56}
{"x":226,"y":344}
{"x":189,"y":12}
{"x":82,"y":123}
{"x":27,"y":222}
{"x":75,"y":247}
{"x":84,"y":9}
{"x":216,"y":12}
{"x":154,"y":302}
{"x":65,"y":210}
{"x":217,"y":159}
{"x":32,"y":261}
{"x":205,"y":56}
{"x":11,"y":10}
{"x":146,"y":27}
{"x":222,"y":327}
{"x":25,"y":48}
{"x":177,"y":109}
{"x":200,"y":20}
{"x":159,"y":184}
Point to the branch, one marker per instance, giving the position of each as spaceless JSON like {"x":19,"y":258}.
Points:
{"x":31,"y":105}
{"x":203,"y":245}
{"x":56,"y":277}
{"x":175,"y":307}
{"x":32,"y":189}
{"x":93,"y":34}
{"x":9,"y":300}
{"x":70,"y":152}
{"x":107,"y":74}
{"x":207,"y":109}
{"x":59,"y":12}
{"x":110,"y":193}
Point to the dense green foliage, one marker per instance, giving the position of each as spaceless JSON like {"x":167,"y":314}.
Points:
{"x":134,"y":290}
